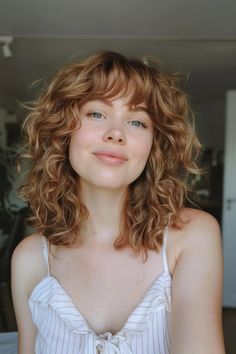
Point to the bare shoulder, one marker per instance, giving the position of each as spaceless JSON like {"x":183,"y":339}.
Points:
{"x":28,"y":249}
{"x":197,"y":284}
{"x":27,"y":261}
{"x":200,"y":231}
{"x":199,"y":227}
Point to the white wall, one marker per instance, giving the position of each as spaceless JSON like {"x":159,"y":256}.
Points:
{"x":229,"y":205}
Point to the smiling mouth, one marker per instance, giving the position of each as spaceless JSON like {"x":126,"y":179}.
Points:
{"x":110,"y":158}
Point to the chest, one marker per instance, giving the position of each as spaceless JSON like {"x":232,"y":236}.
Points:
{"x":106,"y":286}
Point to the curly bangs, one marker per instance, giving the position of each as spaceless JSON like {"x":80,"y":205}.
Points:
{"x":154,"y":200}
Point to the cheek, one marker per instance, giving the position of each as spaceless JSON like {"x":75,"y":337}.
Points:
{"x":145,"y":149}
{"x":143,"y":152}
{"x":74,"y":150}
{"x":74,"y":144}
{"x":78,"y":140}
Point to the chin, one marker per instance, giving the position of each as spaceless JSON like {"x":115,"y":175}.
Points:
{"x":108,"y":181}
{"x":110,"y":185}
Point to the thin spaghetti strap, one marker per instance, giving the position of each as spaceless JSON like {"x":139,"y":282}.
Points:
{"x":45,"y":247}
{"x":164,"y":250}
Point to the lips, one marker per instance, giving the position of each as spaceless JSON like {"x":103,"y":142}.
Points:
{"x":110,"y":157}
{"x":110,"y":153}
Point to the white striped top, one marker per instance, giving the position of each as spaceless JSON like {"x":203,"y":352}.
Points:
{"x":61,"y":328}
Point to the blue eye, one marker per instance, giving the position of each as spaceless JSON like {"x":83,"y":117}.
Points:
{"x":95,"y":115}
{"x":137,"y":123}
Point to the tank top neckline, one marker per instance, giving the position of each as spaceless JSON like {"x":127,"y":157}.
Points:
{"x":163,"y":298}
{"x":55,"y":302}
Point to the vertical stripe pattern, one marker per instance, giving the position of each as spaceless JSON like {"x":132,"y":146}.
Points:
{"x":63,"y":330}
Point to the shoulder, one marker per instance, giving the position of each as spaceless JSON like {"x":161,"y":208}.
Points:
{"x":27,"y":261}
{"x":199,"y":227}
{"x":197,"y":284}
{"x":199,"y":233}
{"x":28,"y":249}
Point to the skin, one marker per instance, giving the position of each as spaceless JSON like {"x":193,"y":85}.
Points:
{"x":113,"y":128}
{"x":194,"y":252}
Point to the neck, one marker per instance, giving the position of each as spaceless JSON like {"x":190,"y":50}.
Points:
{"x":104,"y":207}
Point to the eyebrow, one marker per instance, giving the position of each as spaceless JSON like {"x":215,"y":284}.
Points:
{"x":139,"y":109}
{"x":131,"y":108}
{"x":105,"y":101}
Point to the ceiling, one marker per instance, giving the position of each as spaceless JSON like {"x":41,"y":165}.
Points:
{"x":196,"y":38}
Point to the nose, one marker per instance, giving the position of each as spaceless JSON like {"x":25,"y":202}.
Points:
{"x":115,"y":134}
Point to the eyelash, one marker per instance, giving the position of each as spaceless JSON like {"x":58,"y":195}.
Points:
{"x":141,"y":123}
{"x":91,"y":114}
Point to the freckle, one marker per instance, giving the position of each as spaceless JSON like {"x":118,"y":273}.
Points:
{"x":139,"y":281}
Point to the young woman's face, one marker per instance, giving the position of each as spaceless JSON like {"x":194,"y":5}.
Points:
{"x":112,"y":145}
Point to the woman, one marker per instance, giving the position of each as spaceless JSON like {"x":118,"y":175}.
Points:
{"x":118,"y":265}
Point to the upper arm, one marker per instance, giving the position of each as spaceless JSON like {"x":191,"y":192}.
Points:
{"x":24,"y":275}
{"x":197,"y":291}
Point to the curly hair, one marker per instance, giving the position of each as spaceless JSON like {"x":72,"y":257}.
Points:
{"x":154,"y":200}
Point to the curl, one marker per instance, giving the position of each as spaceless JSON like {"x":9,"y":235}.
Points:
{"x":156,"y":197}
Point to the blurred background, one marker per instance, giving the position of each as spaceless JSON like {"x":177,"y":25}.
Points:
{"x":194,"y":38}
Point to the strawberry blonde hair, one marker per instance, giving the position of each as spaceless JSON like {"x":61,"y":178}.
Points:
{"x":156,"y":197}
